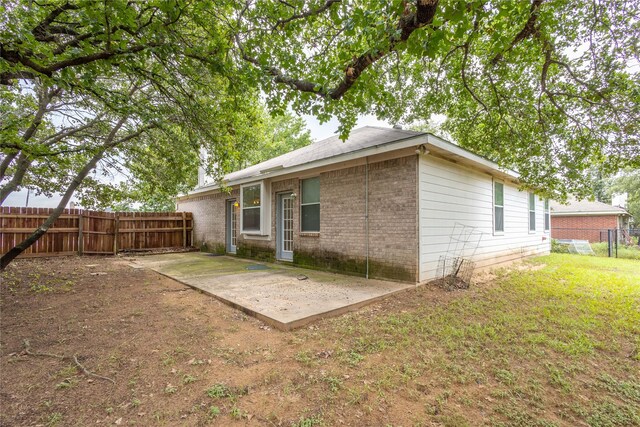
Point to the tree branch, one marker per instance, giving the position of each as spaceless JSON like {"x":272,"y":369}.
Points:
{"x":41,"y":31}
{"x":109,"y":143}
{"x":530,"y":29}
{"x":463,"y":71}
{"x":23,"y":162}
{"x":425,"y":11}
{"x":305,"y":14}
{"x":407,"y":24}
{"x":15,"y":56}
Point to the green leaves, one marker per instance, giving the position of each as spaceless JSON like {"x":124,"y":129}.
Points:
{"x":548,"y":88}
{"x":542,"y":87}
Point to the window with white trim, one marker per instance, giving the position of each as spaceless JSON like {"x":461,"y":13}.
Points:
{"x":310,"y":205}
{"x":498,"y":207}
{"x":532,"y":212}
{"x":547,"y":215}
{"x":251,"y":198}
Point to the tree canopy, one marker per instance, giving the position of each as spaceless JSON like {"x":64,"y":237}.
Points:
{"x":546,"y":87}
{"x":628,"y":182}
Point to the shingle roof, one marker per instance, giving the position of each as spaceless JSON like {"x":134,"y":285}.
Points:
{"x":585,"y":207}
{"x":359,"y":139}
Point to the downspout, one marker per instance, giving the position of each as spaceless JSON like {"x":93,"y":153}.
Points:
{"x":366,"y":211}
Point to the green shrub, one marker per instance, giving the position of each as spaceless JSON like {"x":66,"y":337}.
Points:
{"x":559,"y":248}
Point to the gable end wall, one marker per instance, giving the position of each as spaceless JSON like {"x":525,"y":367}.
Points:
{"x":452,"y":194}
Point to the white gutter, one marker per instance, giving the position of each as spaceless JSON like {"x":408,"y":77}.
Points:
{"x":591,"y":213}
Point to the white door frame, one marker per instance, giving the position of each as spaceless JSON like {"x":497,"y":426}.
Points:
{"x":231,"y":226}
{"x":284,"y":226}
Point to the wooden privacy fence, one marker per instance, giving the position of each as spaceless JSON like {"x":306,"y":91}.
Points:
{"x":79,"y":231}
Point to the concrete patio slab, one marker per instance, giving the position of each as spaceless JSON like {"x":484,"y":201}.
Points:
{"x":282,"y":296}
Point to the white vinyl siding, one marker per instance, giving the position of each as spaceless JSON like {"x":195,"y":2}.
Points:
{"x":450,"y":194}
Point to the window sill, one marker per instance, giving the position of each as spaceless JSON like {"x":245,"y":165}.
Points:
{"x":309,"y":234}
{"x":498,"y":233}
{"x":255,"y":236}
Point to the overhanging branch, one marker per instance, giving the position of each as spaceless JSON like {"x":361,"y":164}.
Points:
{"x":408,"y":23}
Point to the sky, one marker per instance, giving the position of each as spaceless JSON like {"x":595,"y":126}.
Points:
{"x":318,"y":132}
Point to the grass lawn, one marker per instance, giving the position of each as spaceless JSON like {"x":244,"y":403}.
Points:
{"x":629,"y":252}
{"x":555,"y":341}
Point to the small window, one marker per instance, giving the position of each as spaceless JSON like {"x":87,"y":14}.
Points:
{"x":547,"y":216}
{"x":310,"y":205}
{"x":498,"y":207}
{"x":532,"y":212}
{"x":251,"y":208}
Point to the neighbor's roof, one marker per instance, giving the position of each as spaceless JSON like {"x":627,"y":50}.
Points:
{"x":585,"y":207}
{"x":362,"y":142}
{"x":361,"y":138}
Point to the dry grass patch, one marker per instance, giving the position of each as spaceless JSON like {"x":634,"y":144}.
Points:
{"x":555,"y":343}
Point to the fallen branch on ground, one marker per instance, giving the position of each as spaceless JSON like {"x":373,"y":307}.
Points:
{"x":89,"y":373}
{"x":27,"y":351}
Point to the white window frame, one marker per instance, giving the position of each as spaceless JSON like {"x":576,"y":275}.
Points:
{"x":263,"y":201}
{"x":547,"y":216}
{"x":530,"y":195}
{"x":309,"y":204}
{"x":493,"y":204}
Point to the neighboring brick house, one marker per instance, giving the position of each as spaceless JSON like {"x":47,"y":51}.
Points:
{"x":586,"y":220}
{"x":381,"y":204}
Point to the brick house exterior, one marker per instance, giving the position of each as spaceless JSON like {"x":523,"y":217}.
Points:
{"x":370,"y":209}
{"x":582,"y":227}
{"x":586,"y":220}
{"x":342,"y":243}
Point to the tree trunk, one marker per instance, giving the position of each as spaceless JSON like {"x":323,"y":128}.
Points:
{"x":6,"y":162}
{"x":22,"y":165}
{"x":39,"y":232}
{"x":110,"y":143}
{"x":45,"y":97}
{"x":75,"y":183}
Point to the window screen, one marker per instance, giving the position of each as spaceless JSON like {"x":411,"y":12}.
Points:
{"x":532,"y":212}
{"x":498,"y":207}
{"x":251,"y":211}
{"x":310,"y":205}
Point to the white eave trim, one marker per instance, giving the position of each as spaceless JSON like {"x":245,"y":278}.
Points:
{"x":475,"y":159}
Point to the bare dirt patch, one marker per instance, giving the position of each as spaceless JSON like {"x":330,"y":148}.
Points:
{"x":178,"y":356}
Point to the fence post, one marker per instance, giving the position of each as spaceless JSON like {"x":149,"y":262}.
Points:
{"x":80,"y":234}
{"x":116,"y":226}
{"x":184,"y":229}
